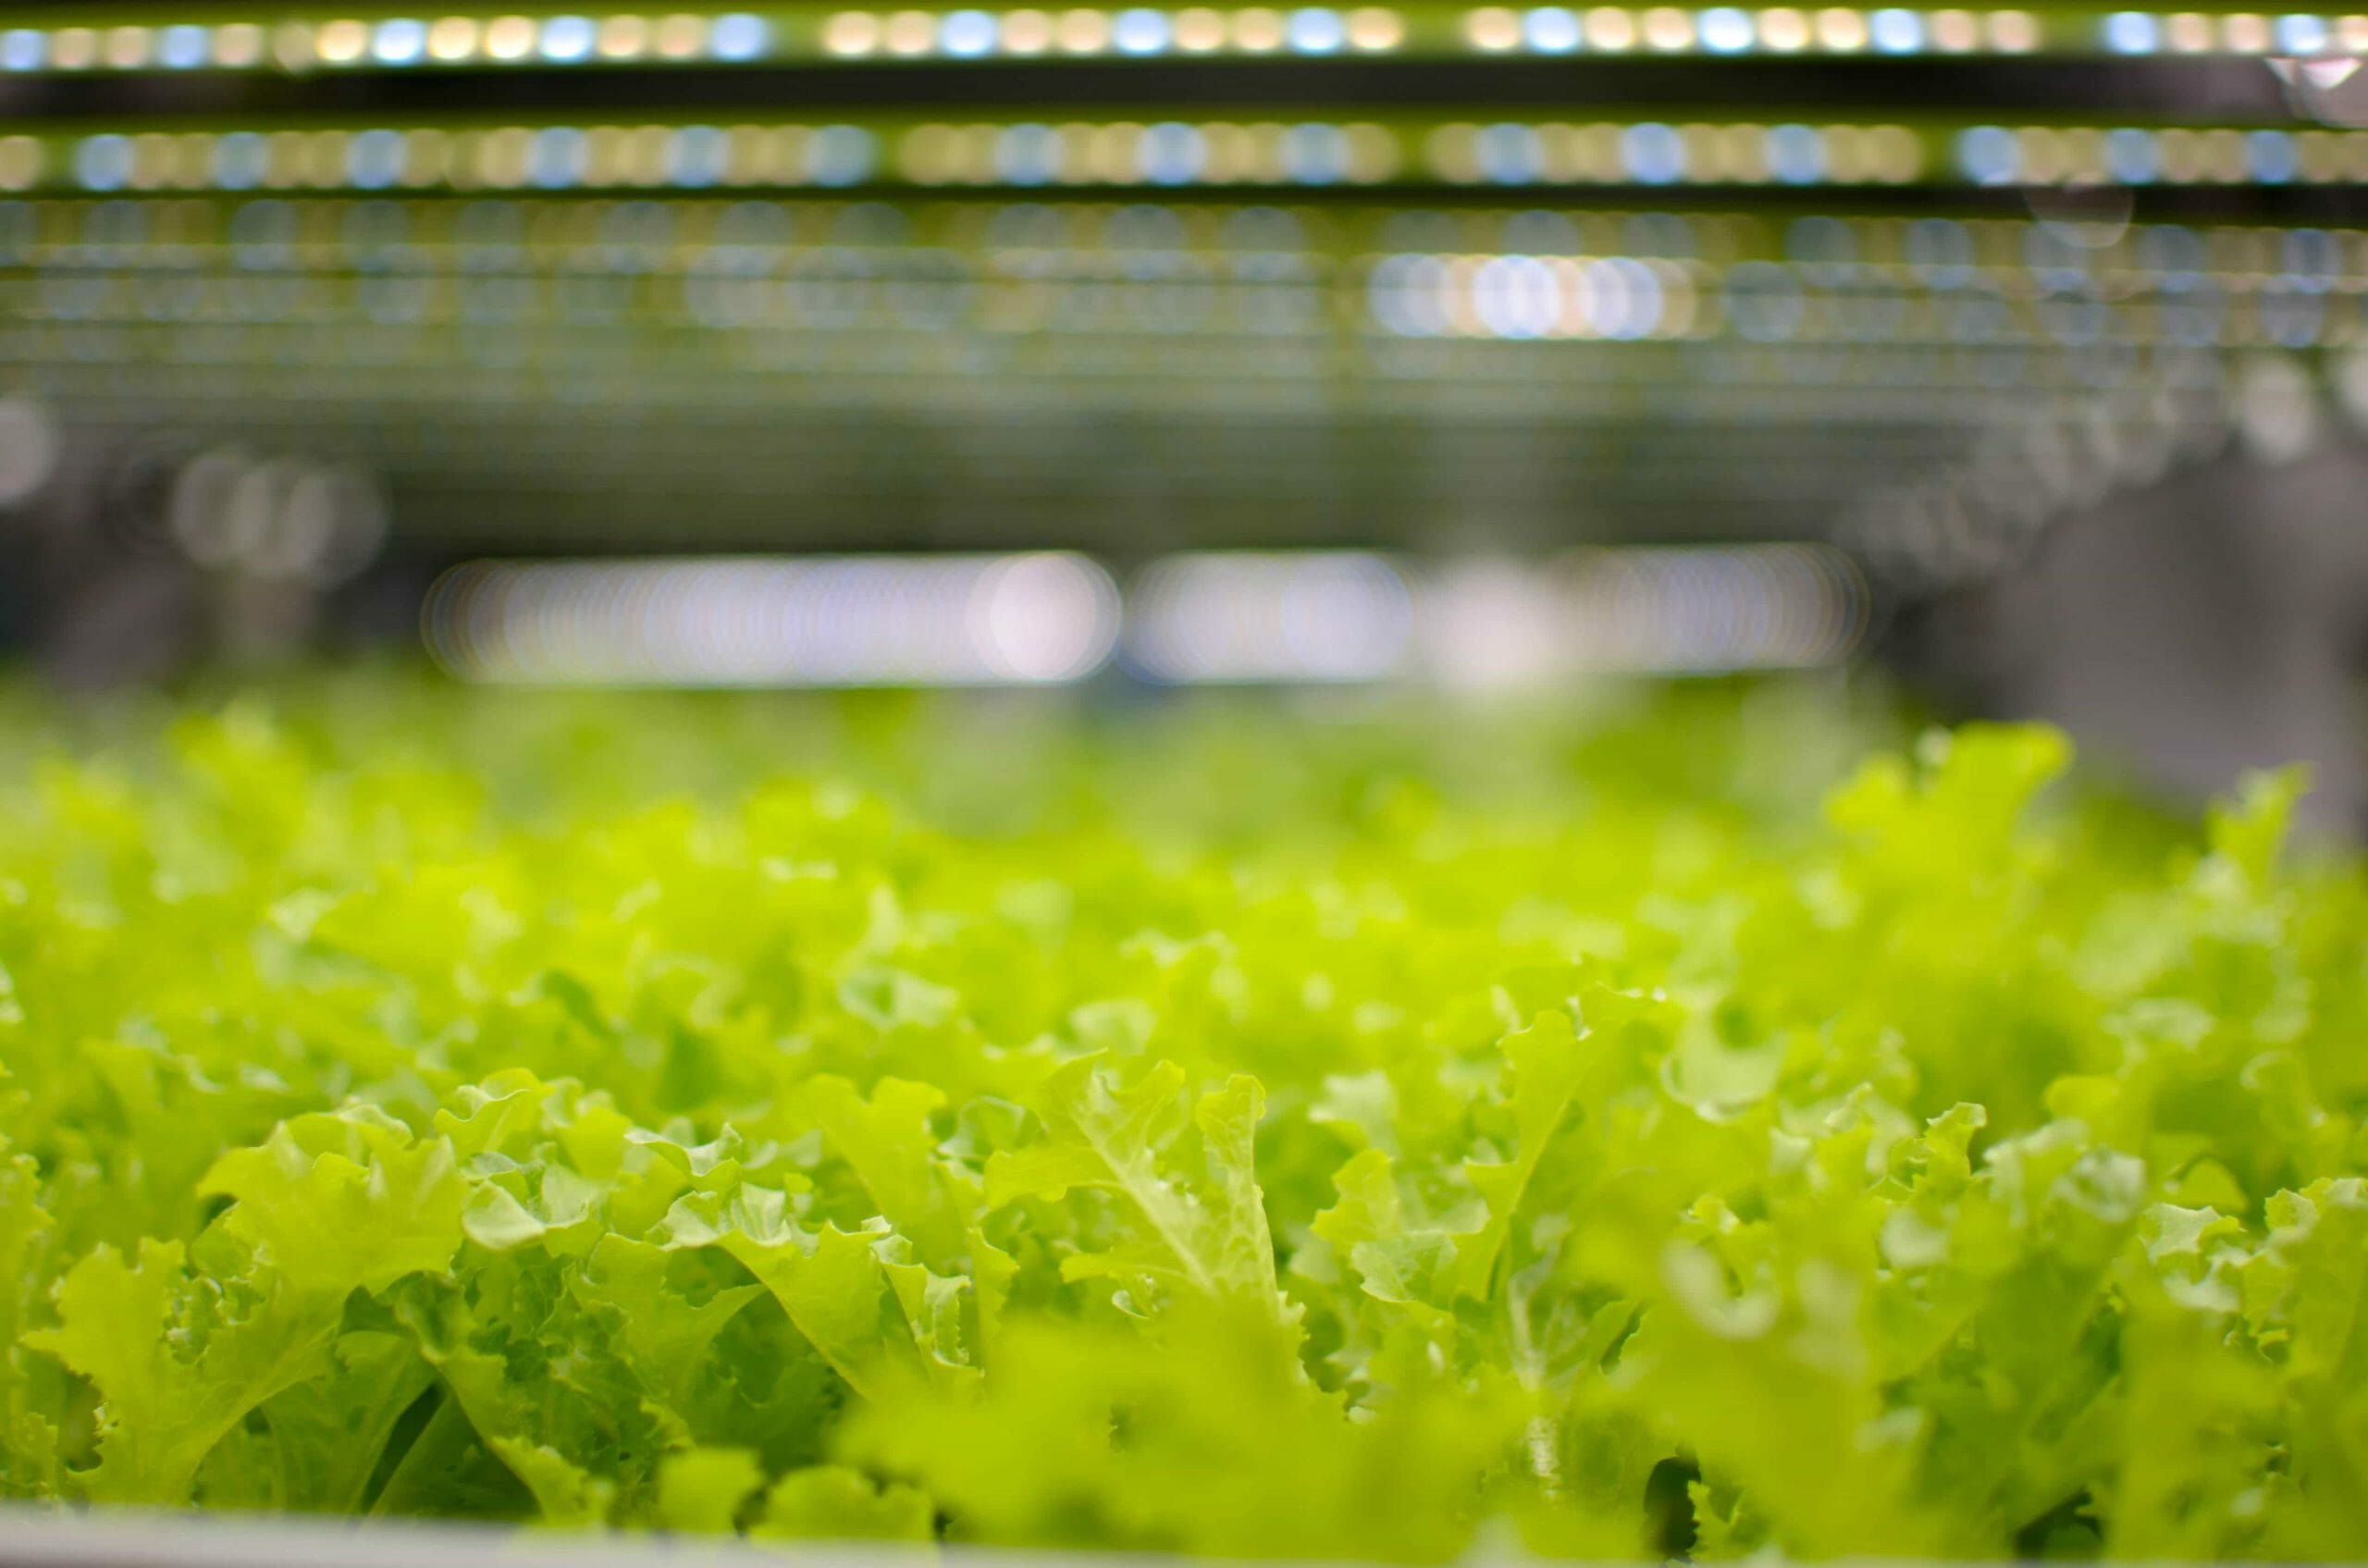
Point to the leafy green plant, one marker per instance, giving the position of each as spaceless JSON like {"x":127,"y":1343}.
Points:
{"x":1235,"y":1132}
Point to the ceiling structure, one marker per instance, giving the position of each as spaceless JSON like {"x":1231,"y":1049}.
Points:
{"x":1143,"y":278}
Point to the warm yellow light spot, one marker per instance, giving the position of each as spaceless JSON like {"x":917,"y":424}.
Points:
{"x":341,"y":42}
{"x":1258,"y":29}
{"x":1026,"y":32}
{"x":1373,"y":28}
{"x":20,"y":163}
{"x":1840,"y":30}
{"x":1494,"y":28}
{"x":452,"y":39}
{"x":1084,"y":33}
{"x":237,"y":45}
{"x":1784,"y":29}
{"x":1610,"y":29}
{"x":2246,"y":33}
{"x":1667,"y":28}
{"x":910,"y":32}
{"x":1955,"y":33}
{"x":73,"y":48}
{"x":127,"y":47}
{"x":2013,"y":32}
{"x":623,"y":38}
{"x":509,"y":38}
{"x":851,"y":33}
{"x":1199,"y":30}
{"x":681,"y":36}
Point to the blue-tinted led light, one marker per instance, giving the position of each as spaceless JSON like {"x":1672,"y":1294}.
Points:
{"x":1315,"y":154}
{"x":840,"y":155}
{"x":967,"y":33}
{"x":737,"y":36}
{"x":567,"y":39}
{"x":1508,"y":155}
{"x":1724,"y":31}
{"x":400,"y":40}
{"x":1028,"y":154}
{"x":1895,"y":31}
{"x":1171,"y":153}
{"x":2131,"y":156}
{"x":2313,"y":256}
{"x":697,"y":155}
{"x":239,"y":159}
{"x":2132,"y":32}
{"x":103,"y":162}
{"x":1653,"y":154}
{"x":1139,"y":30}
{"x":2172,"y":250}
{"x":374,"y":159}
{"x":2302,"y":34}
{"x":2272,"y":156}
{"x":1796,"y":154}
{"x":1941,"y":250}
{"x":1988,"y":155}
{"x":1314,"y":30}
{"x":555,"y":157}
{"x":1551,"y":30}
{"x":181,"y":47}
{"x":22,"y":49}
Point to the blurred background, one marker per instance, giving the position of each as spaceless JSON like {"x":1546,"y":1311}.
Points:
{"x":2018,"y":351}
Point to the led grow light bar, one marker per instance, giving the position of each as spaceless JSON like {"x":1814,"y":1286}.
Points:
{"x":445,"y":41}
{"x":1174,"y":153}
{"x":1198,"y":618}
{"x":1202,"y":241}
{"x":767,"y":288}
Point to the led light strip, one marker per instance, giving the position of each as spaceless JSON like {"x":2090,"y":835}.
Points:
{"x":748,"y":300}
{"x":1198,"y":618}
{"x":1169,"y":154}
{"x":744,"y":237}
{"x":830,"y":621}
{"x":744,"y":37}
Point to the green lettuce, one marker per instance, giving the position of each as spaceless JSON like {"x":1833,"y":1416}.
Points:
{"x":1377,"y":1132}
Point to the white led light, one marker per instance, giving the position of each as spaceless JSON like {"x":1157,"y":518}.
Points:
{"x":181,"y":48}
{"x":1551,"y":30}
{"x":23,"y":49}
{"x":1989,"y":155}
{"x":1316,"y":29}
{"x":1139,"y":30}
{"x":1724,"y":30}
{"x":1695,"y":611}
{"x":967,"y":34}
{"x":1258,"y":616}
{"x":2132,"y":32}
{"x":400,"y":40}
{"x":1895,"y":31}
{"x":821,"y":621}
{"x":2302,"y":35}
{"x":568,"y":39}
{"x":738,"y":37}
{"x":1653,"y":154}
{"x":104,"y":162}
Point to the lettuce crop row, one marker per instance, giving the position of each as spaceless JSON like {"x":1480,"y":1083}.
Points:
{"x":1222,"y":1132}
